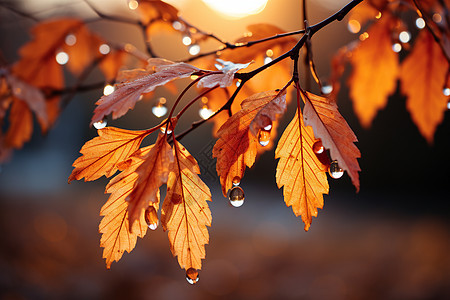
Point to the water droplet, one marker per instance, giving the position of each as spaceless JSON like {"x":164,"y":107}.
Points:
{"x":236,"y":196}
{"x":236,"y":180}
{"x":264,"y":137}
{"x":151,"y":218}
{"x":62,"y":58}
{"x":192,"y":276}
{"x":397,"y":47}
{"x":267,"y":59}
{"x":404,"y":37}
{"x":335,"y":171}
{"x":205,"y":112}
{"x":446,"y":91}
{"x":108,"y":89}
{"x":353,"y":26}
{"x":194,"y":49}
{"x":178,"y":25}
{"x":238,"y":83}
{"x":133,"y":4}
{"x":101,"y":124}
{"x":326,"y":89}
{"x":437,"y":18}
{"x":160,"y":109}
{"x":186,"y":40}
{"x":70,"y":40}
{"x":420,"y":23}
{"x":448,"y":105}
{"x":104,"y":49}
{"x":318,"y":147}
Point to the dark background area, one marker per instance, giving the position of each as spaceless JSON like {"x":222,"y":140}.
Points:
{"x":389,"y":241}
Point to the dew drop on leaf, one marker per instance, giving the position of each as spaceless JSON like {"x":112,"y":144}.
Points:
{"x":326,"y":89}
{"x":236,"y":196}
{"x":151,"y":218}
{"x":192,"y":276}
{"x":264,"y":137}
{"x":236,"y":180}
{"x":318,"y":147}
{"x":335,"y":171}
{"x":101,"y":124}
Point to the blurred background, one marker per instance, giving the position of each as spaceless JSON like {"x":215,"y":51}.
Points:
{"x":389,"y":241}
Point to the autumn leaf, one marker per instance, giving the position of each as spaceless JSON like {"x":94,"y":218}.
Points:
{"x":114,"y":227}
{"x":236,"y":147}
{"x":185,"y":212}
{"x":20,"y":125}
{"x":328,"y":124}
{"x":151,"y":175}
{"x":128,"y":93}
{"x":375,"y":71}
{"x":102,"y":154}
{"x":300,"y":171}
{"x":32,"y":96}
{"x":422,"y":78}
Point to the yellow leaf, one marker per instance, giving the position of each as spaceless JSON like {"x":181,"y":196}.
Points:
{"x":185,"y":212}
{"x":300,"y":171}
{"x":102,"y":154}
{"x":114,"y":227}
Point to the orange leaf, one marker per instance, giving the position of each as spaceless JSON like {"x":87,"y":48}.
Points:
{"x":151,"y":175}
{"x":114,"y":227}
{"x":102,"y":154}
{"x":84,"y":49}
{"x":128,"y":93}
{"x":185,"y":212}
{"x":422,"y":79}
{"x":375,"y":70}
{"x":236,"y":147}
{"x":20,"y":124}
{"x":329,"y":125}
{"x":300,"y":171}
{"x":32,"y":96}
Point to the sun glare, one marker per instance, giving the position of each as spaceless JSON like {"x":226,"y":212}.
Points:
{"x":235,"y":9}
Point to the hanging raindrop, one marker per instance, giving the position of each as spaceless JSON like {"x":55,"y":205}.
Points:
{"x":318,"y":147}
{"x":236,"y":196}
{"x":151,"y":218}
{"x":326,"y":89}
{"x":192,"y":276}
{"x":160,"y":109}
{"x":335,"y":171}
{"x":446,"y":91}
{"x":205,"y":112}
{"x":236,"y":180}
{"x":100,"y":124}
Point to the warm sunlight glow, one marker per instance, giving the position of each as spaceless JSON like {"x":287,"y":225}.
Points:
{"x":236,"y":9}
